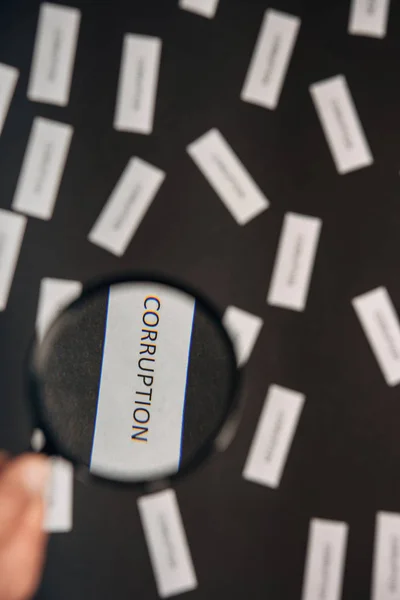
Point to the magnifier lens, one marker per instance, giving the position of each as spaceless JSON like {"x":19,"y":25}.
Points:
{"x":134,"y":380}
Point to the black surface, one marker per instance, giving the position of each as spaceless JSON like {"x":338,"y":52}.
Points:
{"x":246,"y":540}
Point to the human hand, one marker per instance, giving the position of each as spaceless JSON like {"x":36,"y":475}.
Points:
{"x":23,"y":483}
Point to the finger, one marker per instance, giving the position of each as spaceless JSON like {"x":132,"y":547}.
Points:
{"x":21,"y":559}
{"x":21,"y":480}
{"x":4,"y":458}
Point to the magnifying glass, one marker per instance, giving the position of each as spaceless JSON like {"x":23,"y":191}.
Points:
{"x":135,"y":381}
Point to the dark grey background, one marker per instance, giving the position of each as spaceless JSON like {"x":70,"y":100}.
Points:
{"x":246,"y":540}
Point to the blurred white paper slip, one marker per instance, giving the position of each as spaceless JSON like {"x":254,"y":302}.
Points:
{"x":54,"y":54}
{"x":386,"y":567}
{"x":59,"y":500}
{"x":8,"y":81}
{"x":369,"y":17}
{"x":381,"y":325}
{"x":244,"y":329}
{"x":167,"y":544}
{"x":227,"y":175}
{"x":294,"y":261}
{"x":127,"y":206}
{"x":204,"y":8}
{"x":59,"y":494}
{"x":42,"y":168}
{"x":12,"y":229}
{"x":323,"y":578}
{"x":38,"y":441}
{"x":341,"y":124}
{"x":137,"y":86}
{"x":270,"y":60}
{"x":54,"y":295}
{"x":273,"y":436}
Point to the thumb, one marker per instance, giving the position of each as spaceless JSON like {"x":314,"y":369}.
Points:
{"x":21,"y":481}
{"x":22,"y":542}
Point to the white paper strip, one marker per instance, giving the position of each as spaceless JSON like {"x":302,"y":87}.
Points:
{"x":167,"y":544}
{"x":142,"y":393}
{"x":244,"y":329}
{"x":294,"y":261}
{"x":12,"y":229}
{"x":8,"y":81}
{"x":137,"y":87}
{"x":386,"y":568}
{"x":381,"y":325}
{"x":54,"y":54}
{"x":58,"y":514}
{"x":369,"y":17}
{"x":54,"y":295}
{"x":127,"y":206}
{"x":204,"y":8}
{"x":273,"y":437}
{"x":325,"y":561}
{"x":341,"y":124}
{"x":270,"y":60}
{"x":227,"y":175}
{"x":38,"y":441}
{"x":59,"y":499}
{"x":42,"y":168}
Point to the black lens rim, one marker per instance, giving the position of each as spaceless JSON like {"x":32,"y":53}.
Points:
{"x":229,"y":420}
